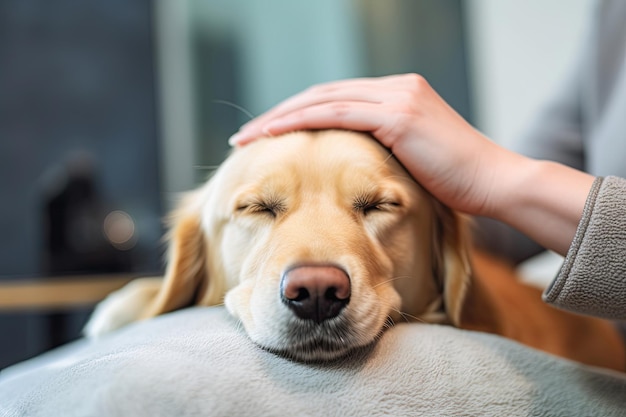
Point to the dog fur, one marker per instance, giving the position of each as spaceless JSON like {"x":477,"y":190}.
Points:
{"x":336,"y":206}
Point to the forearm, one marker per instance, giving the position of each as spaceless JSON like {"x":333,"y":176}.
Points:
{"x":542,"y":199}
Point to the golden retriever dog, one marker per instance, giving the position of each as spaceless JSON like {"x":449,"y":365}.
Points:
{"x":317,"y":241}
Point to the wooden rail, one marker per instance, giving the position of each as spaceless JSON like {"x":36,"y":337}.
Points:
{"x":58,"y":293}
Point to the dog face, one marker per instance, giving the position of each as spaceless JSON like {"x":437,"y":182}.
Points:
{"x":314,"y":240}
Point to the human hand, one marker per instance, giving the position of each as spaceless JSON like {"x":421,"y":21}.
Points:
{"x":436,"y":145}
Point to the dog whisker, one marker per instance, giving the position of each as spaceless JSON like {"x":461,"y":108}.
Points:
{"x":235,"y":106}
{"x":391,"y":280}
{"x":389,"y":323}
{"x":408,"y":317}
{"x":383,"y":163}
{"x":206,"y":167}
{"x":239,"y":326}
{"x":399,"y":178}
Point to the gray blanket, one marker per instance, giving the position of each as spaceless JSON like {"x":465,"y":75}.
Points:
{"x":199,"y":362}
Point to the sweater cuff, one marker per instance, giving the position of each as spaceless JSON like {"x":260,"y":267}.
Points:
{"x":592,"y":279}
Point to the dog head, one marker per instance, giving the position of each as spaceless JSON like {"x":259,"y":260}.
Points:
{"x":314,"y":240}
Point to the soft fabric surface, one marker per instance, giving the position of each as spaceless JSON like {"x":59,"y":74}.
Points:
{"x":591,"y":280}
{"x":199,"y":362}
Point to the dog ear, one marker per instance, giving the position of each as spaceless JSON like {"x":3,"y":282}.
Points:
{"x":187,"y":273}
{"x":451,"y":259}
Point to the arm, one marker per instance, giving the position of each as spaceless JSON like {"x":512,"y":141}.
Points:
{"x":545,"y":201}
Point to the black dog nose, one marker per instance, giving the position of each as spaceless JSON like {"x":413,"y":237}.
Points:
{"x":315,"y":293}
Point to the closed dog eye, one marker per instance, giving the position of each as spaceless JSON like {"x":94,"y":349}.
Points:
{"x":368,"y":205}
{"x":270,"y":207}
{"x":381,"y":206}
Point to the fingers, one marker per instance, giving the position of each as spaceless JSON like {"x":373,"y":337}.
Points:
{"x":358,"y":89}
{"x":350,"y":115}
{"x":324,"y":106}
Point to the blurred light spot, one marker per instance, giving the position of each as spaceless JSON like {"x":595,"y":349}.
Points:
{"x":119,"y":229}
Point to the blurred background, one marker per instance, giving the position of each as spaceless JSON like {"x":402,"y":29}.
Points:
{"x":110,"y":108}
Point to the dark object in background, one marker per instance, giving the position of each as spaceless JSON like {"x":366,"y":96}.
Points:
{"x":75,"y":214}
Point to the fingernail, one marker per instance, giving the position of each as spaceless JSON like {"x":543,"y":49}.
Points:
{"x":234,"y":139}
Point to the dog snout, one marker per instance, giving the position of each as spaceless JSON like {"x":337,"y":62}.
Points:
{"x":315,"y":293}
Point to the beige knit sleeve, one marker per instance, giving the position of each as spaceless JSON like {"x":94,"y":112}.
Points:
{"x":592,"y":279}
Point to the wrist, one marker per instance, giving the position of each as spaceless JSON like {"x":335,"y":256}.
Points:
{"x":544,"y":200}
{"x":515,"y":179}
